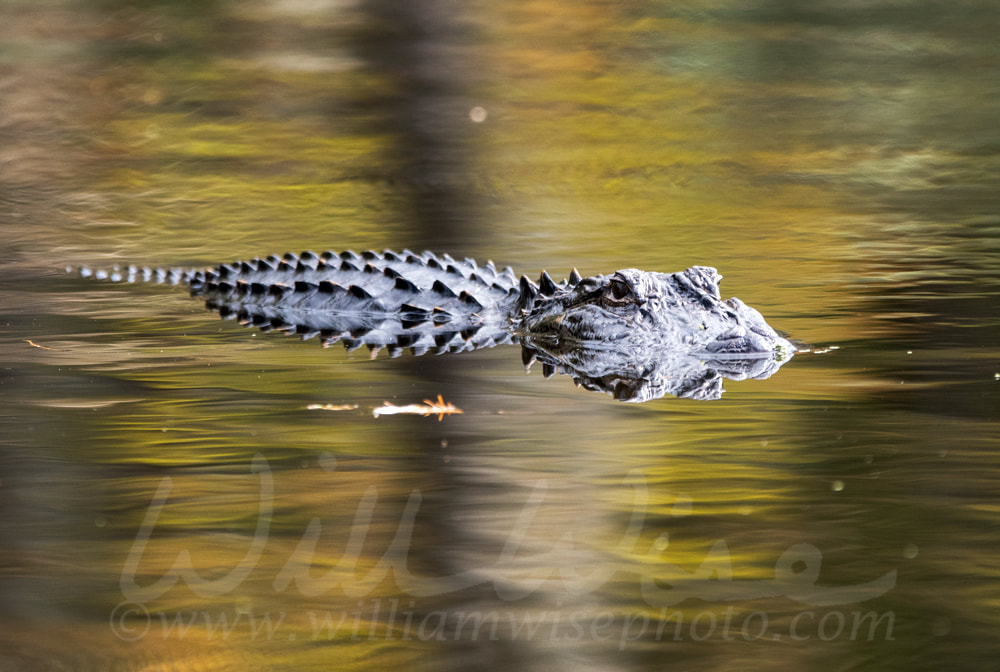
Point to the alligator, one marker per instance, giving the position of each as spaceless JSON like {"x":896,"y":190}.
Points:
{"x":633,"y":334}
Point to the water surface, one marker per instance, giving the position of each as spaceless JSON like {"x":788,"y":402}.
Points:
{"x":169,"y":499}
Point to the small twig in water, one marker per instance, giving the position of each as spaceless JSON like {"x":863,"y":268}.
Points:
{"x":439,"y":408}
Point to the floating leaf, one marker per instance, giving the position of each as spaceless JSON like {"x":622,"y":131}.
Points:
{"x":439,"y":408}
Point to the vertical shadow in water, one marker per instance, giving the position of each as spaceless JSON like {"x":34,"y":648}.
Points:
{"x":423,"y":49}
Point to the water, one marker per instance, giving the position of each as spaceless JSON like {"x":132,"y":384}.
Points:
{"x":169,"y":500}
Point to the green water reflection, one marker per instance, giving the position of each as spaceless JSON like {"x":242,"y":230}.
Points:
{"x":836,"y":162}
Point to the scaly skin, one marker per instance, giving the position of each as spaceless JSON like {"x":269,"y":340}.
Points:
{"x":634,"y":334}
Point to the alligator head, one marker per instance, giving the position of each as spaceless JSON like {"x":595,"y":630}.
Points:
{"x":644,"y":320}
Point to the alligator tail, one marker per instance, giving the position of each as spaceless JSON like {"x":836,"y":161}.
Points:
{"x":133,"y":274}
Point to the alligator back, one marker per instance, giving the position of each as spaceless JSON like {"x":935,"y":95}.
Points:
{"x":384,"y":299}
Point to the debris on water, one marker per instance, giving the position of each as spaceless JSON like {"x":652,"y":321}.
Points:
{"x":35,"y":345}
{"x":439,"y":408}
{"x":331,"y":407}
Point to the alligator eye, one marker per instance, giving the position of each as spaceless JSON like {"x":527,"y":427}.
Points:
{"x":619,"y":291}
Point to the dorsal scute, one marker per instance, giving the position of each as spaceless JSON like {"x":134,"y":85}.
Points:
{"x":367,"y":282}
{"x":546,"y":285}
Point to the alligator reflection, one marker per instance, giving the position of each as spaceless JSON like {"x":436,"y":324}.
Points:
{"x":639,"y":377}
{"x":633,"y":334}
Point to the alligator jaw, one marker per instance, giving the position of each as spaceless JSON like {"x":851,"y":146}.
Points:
{"x":639,"y":312}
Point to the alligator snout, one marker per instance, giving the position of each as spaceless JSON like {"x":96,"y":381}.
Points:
{"x":743,"y":342}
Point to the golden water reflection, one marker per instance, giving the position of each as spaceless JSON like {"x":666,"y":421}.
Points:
{"x":170,"y":501}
